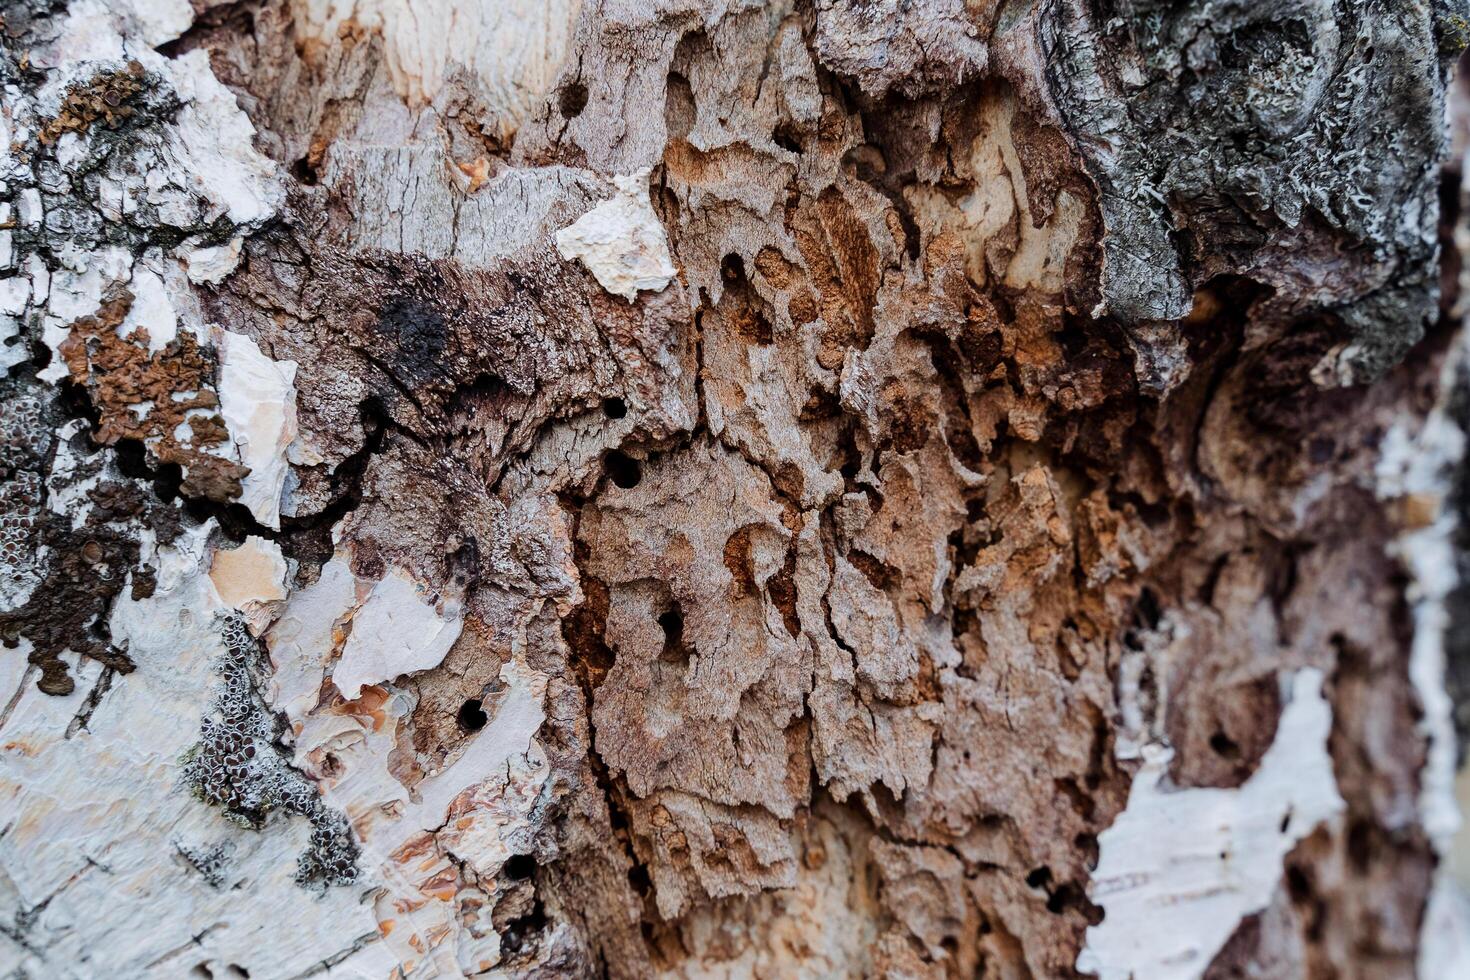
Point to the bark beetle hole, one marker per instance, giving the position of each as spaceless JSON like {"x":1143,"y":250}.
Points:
{"x":1361,"y":847}
{"x":1298,"y":885}
{"x":471,"y":716}
{"x":1039,"y":877}
{"x":519,"y":867}
{"x":614,"y":408}
{"x":1148,"y":610}
{"x":732,"y":267}
{"x":518,"y":932}
{"x":572,"y":101}
{"x":304,"y":172}
{"x":623,"y":469}
{"x":786,"y":136}
{"x":639,"y":878}
{"x":168,"y":481}
{"x":680,"y":110}
{"x":1087,"y":844}
{"x":672,"y":623}
{"x":132,"y":459}
{"x":1224,"y":746}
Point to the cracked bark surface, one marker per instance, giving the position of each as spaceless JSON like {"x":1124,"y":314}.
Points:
{"x":816,"y":488}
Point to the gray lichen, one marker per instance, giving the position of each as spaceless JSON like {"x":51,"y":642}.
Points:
{"x":210,"y":862}
{"x":1295,"y":143}
{"x":239,"y":766}
{"x":119,"y":113}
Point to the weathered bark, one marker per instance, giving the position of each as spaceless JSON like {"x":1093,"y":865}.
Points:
{"x":819,"y":488}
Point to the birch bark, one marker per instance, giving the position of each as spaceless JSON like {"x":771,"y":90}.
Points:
{"x":816,"y":488}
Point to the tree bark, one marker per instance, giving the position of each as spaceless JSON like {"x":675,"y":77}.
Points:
{"x":822,"y":488}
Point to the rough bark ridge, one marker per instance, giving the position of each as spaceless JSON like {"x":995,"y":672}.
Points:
{"x":815,"y":488}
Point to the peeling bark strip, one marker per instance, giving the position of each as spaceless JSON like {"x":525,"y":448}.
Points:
{"x":804,"y":489}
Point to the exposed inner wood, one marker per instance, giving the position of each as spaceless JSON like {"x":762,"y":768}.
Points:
{"x":824,"y":488}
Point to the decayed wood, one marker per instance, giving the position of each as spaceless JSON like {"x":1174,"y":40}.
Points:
{"x":815,"y":488}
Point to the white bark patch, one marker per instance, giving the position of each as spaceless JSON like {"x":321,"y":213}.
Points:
{"x":214,"y":143}
{"x":373,"y":631}
{"x":305,"y":638}
{"x":1444,"y":938}
{"x":476,"y":809}
{"x":97,"y":820}
{"x":13,"y":295}
{"x":208,"y":167}
{"x":258,"y":401}
{"x":152,"y":309}
{"x":1180,"y":868}
{"x":1416,"y":470}
{"x":621,"y":241}
{"x":211,"y":263}
{"x":98,"y":827}
{"x":399,"y":629}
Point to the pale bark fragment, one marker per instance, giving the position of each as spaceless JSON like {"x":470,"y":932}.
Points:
{"x":621,"y":241}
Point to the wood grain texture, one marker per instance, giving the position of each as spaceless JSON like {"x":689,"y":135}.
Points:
{"x":823,"y":488}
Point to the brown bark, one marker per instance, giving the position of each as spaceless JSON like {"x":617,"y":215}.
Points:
{"x":1042,"y":403}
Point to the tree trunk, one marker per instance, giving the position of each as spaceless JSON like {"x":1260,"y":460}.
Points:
{"x":823,"y":488}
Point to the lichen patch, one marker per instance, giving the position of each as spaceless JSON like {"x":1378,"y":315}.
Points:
{"x":104,"y":99}
{"x":183,"y":426}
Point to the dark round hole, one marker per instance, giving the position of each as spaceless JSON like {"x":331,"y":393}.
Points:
{"x":732,"y":267}
{"x":614,"y":408}
{"x":519,"y":867}
{"x":623,"y":469}
{"x":168,"y":480}
{"x":1224,"y":746}
{"x":673,"y":625}
{"x":1039,"y":877}
{"x":471,"y":715}
{"x":787,"y":137}
{"x":303,"y":171}
{"x":639,"y":878}
{"x":675,"y":650}
{"x":132,"y":459}
{"x":573,"y":100}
